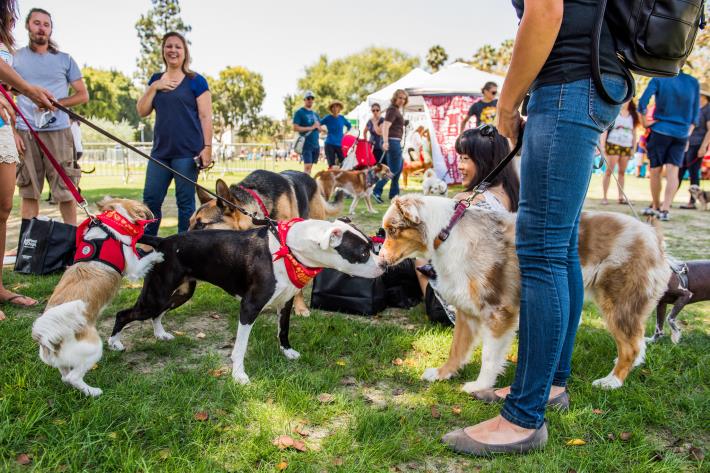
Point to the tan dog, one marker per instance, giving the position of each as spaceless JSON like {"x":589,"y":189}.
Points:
{"x":66,"y":332}
{"x":623,"y":264}
{"x":359,"y":184}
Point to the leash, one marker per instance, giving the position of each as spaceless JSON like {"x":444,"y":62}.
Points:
{"x":462,"y":205}
{"x":271,"y":224}
{"x":626,"y":198}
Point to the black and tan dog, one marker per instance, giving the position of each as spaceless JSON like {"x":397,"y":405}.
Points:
{"x":280,"y":196}
{"x":243,"y":264}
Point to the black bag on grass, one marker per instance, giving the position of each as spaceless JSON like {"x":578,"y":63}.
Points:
{"x":402,"y":286}
{"x":339,"y":292}
{"x":45,"y":246}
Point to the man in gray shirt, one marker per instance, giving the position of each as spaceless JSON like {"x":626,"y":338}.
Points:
{"x":41,"y":63}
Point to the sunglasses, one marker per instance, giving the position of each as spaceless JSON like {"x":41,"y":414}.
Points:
{"x":310,"y":98}
{"x":493,"y":92}
{"x":375,"y":110}
{"x":487,"y":130}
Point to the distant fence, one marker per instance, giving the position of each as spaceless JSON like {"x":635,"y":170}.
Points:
{"x":113,"y":160}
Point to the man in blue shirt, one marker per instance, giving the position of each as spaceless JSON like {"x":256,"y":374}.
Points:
{"x":307,"y":123}
{"x":677,"y":107}
{"x":335,"y":123}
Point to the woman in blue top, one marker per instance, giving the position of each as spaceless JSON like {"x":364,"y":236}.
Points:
{"x":183,"y":130}
{"x":374,"y":128}
{"x":334,"y":123}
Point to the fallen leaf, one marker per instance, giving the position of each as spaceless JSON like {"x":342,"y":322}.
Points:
{"x":598,"y":411}
{"x":200,"y":335}
{"x":299,"y":445}
{"x":625,"y":436}
{"x":337,"y":461}
{"x":219,"y":371}
{"x":435,"y":412}
{"x":215,"y":316}
{"x":456,"y":410}
{"x":96,"y":365}
{"x":397,"y":362}
{"x":512,"y":358}
{"x":397,"y":391}
{"x":282,"y":465}
{"x":341,"y":362}
{"x":113,"y":435}
{"x":409,"y":362}
{"x":164,"y":453}
{"x":301,"y":430}
{"x":325,"y":398}
{"x":283,"y":442}
{"x":2,"y":316}
{"x":571,"y":470}
{"x":201,"y":416}
{"x":178,"y":333}
{"x":575,"y":442}
{"x":611,"y":437}
{"x":23,"y":459}
{"x":696,"y":454}
{"x":348,"y":381}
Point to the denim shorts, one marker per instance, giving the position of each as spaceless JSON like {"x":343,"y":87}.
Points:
{"x":310,"y":154}
{"x":664,"y":149}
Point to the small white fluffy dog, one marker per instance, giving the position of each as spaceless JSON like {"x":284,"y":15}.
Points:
{"x":66,"y":332}
{"x":432,"y":185}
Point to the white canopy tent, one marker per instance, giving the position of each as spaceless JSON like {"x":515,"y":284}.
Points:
{"x":455,"y":79}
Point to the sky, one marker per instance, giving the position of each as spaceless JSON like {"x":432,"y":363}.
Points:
{"x":277,"y":39}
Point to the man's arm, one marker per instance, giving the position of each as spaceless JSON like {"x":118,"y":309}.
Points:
{"x":39,"y":95}
{"x":80,"y":95}
{"x":702,"y":151}
{"x":535,"y":38}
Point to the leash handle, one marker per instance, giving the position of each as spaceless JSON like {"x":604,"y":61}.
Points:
{"x":62,"y":174}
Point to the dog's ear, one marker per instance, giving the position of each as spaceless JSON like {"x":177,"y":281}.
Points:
{"x":223,"y":191}
{"x":408,"y":209}
{"x":104,"y":203}
{"x":203,"y":196}
{"x":332,"y":238}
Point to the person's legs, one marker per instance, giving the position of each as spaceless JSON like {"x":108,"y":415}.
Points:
{"x":184,"y":191}
{"x":310,"y":157}
{"x":623,"y":164}
{"x":330,"y":155}
{"x":394,"y":161}
{"x":611,"y":162}
{"x":674,"y":159}
{"x":157,"y":181}
{"x":61,"y":144}
{"x":379,"y":187}
{"x":657,"y":147}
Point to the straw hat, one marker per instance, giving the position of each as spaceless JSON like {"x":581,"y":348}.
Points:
{"x":334,"y":103}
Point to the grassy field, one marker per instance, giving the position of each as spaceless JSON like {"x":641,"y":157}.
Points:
{"x":165,"y":408}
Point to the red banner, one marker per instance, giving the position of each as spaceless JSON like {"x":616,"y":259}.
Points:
{"x":447,"y":113}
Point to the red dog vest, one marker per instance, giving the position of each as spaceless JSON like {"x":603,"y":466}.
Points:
{"x":298,"y":273}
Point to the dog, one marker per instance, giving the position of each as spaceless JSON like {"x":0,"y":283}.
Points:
{"x":690,"y":284}
{"x":701,"y":196}
{"x":359,"y":184}
{"x":66,"y":331}
{"x":432,"y":185}
{"x":623,"y":265}
{"x":243,"y":264}
{"x":281,"y":196}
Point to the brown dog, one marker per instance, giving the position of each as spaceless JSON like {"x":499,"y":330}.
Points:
{"x":359,"y":184}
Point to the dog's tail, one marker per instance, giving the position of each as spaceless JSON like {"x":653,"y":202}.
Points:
{"x":321,"y":209}
{"x":57,"y":324}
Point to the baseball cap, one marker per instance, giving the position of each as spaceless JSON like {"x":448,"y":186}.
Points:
{"x":308,"y":94}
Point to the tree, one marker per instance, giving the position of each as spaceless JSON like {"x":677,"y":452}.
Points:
{"x":113,"y":96}
{"x":352,"y":78}
{"x":290,"y":105}
{"x":699,"y":61}
{"x":162,"y":18}
{"x":436,"y":57}
{"x":237,"y":97}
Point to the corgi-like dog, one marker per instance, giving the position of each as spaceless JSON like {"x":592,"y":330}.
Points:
{"x":66,"y":331}
{"x":358,"y":184}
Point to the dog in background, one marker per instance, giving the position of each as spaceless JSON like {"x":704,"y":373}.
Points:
{"x":432,"y":185}
{"x":701,"y":196}
{"x":358,"y":184}
{"x":66,"y":331}
{"x":623,"y":265}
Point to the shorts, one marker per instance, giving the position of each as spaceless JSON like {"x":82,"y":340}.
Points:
{"x":34,"y":167}
{"x":8,"y":149}
{"x":618,"y":150}
{"x":334,"y":155}
{"x":664,"y":149}
{"x":310,"y":154}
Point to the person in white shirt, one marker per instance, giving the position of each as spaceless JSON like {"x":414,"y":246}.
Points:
{"x":617,"y":147}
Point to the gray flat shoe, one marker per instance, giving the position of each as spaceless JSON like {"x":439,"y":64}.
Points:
{"x":458,"y":441}
{"x":489,"y":396}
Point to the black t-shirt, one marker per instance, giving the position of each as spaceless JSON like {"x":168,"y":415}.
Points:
{"x":570,"y":58}
{"x":485,"y":112}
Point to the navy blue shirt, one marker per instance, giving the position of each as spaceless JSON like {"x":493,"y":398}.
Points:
{"x":677,"y":104}
{"x":305,"y":117}
{"x":335,"y":128}
{"x":375,"y":138}
{"x":178,"y":131}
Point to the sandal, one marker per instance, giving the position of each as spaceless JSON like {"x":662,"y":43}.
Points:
{"x":15,"y":300}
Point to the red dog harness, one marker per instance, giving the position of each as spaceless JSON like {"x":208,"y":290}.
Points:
{"x":108,"y":250}
{"x":298,"y":273}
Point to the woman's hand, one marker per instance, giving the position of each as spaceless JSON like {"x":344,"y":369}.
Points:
{"x":41,"y":96}
{"x":165,"y":84}
{"x":509,"y":122}
{"x":206,"y":156}
{"x":6,"y":111}
{"x":386,"y":145}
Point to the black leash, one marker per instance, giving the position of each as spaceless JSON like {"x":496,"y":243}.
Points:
{"x":272,"y":224}
{"x":462,"y":205}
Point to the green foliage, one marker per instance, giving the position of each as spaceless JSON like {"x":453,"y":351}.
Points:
{"x":112,"y":96}
{"x":699,"y":61}
{"x":162,"y":18}
{"x":291,"y":104}
{"x":121,"y":129}
{"x":352,"y":78}
{"x":436,"y":57}
{"x":493,"y":60}
{"x":237,"y":97}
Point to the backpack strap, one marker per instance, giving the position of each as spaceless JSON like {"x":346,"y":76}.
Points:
{"x":596,"y":71}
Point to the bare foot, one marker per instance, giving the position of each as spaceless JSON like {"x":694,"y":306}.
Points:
{"x":554,"y":392}
{"x":497,"y":431}
{"x":9,"y":297}
{"x":604,"y":202}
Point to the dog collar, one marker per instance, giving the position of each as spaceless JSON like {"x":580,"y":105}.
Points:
{"x":258,"y":200}
{"x":298,"y":273}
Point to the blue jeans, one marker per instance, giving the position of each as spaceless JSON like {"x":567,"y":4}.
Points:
{"x":157,"y":181}
{"x":393,"y":159}
{"x":563,"y":128}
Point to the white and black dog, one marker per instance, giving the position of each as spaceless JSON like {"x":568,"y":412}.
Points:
{"x":243,"y":263}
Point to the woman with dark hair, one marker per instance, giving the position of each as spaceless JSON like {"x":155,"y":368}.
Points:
{"x":183,"y":130}
{"x":618,"y":145}
{"x":374,"y":128}
{"x":392,"y":133}
{"x":480,"y":150}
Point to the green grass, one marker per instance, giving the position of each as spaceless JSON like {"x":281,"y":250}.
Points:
{"x":145,"y":421}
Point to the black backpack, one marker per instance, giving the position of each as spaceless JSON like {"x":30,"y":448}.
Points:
{"x":652,"y":37}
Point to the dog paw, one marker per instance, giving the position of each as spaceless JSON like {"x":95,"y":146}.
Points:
{"x":164,"y":336}
{"x":303,"y":312}
{"x":608,"y":382}
{"x":431,"y":375}
{"x":290,"y":353}
{"x":473,"y":386}
{"x":675,"y":336}
{"x":93,"y":392}
{"x":241,"y":378}
{"x":115,"y":345}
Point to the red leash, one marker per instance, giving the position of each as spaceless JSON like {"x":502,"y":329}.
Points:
{"x":63,"y":175}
